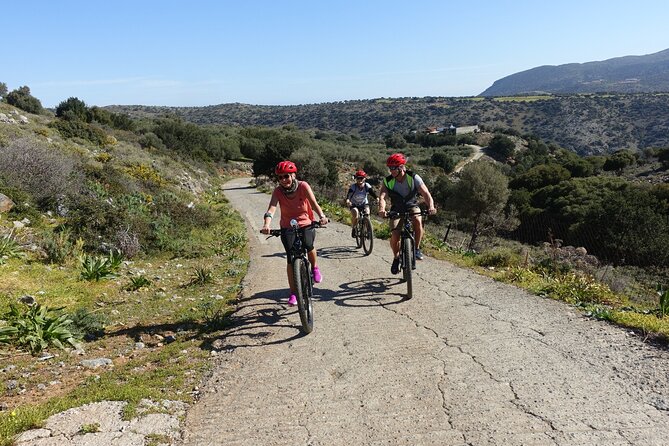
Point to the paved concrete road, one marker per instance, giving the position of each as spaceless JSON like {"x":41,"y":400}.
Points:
{"x":467,"y":361}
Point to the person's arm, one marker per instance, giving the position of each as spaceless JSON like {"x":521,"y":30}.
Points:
{"x":314,"y":204}
{"x":349,"y":194}
{"x":370,"y":191}
{"x":267,"y":218}
{"x":427,"y":196}
{"x":382,"y":200}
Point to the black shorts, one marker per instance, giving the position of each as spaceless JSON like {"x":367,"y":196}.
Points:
{"x":288,"y":238}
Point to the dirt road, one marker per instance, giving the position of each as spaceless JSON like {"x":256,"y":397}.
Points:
{"x":468,"y":361}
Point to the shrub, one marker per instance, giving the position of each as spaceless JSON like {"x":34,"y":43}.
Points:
{"x":499,"y":257}
{"x":73,"y":109}
{"x":201,"y":275}
{"x":87,"y":324}
{"x":10,"y":248}
{"x":57,"y":245}
{"x":21,"y":98}
{"x":100,"y":267}
{"x":146,"y":173}
{"x":137,"y":283}
{"x":37,"y":327}
{"x":48,"y":176}
{"x":80,"y":129}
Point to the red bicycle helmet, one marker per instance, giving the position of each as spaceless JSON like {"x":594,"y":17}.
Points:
{"x":285,"y":167}
{"x":360,"y":173}
{"x":396,"y":159}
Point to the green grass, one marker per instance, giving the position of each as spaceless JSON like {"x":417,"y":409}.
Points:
{"x":523,"y":98}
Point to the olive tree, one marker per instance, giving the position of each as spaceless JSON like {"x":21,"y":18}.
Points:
{"x":480,"y":195}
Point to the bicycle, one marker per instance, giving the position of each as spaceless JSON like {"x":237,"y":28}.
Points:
{"x":302,"y":274}
{"x":407,"y":246}
{"x":364,"y":231}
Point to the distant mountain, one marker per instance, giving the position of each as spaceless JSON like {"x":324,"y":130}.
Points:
{"x":629,"y":74}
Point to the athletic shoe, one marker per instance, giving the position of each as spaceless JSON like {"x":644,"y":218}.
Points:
{"x":419,"y":255}
{"x":318,"y":278}
{"x":395,"y":268}
{"x":292,"y":300}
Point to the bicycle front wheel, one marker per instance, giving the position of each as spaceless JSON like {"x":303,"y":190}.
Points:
{"x":407,"y":255}
{"x":358,"y":234}
{"x":367,"y":236}
{"x":303,"y":287}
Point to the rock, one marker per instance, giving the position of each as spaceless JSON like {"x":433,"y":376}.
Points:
{"x":95,"y":363}
{"x":5,"y":203}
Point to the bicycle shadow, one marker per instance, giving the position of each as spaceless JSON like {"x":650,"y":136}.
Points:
{"x":340,"y":253}
{"x":256,"y":321}
{"x":363,"y":293}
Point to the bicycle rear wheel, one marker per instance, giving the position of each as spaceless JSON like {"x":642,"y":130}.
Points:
{"x":407,"y":254}
{"x":358,"y":234}
{"x":367,"y":236}
{"x":303,"y":287}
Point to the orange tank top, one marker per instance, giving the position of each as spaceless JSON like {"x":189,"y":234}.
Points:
{"x":295,"y":205}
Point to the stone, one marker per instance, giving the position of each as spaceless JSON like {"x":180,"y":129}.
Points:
{"x":6,"y":204}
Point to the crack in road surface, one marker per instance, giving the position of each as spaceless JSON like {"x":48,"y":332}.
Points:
{"x":467,"y":361}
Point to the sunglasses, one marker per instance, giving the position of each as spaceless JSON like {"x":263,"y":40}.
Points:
{"x":284,"y":176}
{"x":359,"y":178}
{"x":394,"y":167}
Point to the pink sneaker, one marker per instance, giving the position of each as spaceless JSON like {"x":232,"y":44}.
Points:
{"x":292,"y":300}
{"x":318,"y":278}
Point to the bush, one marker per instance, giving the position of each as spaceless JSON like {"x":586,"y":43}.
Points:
{"x":499,"y":257}
{"x":47,"y":175}
{"x":57,"y":245}
{"x":73,"y":109}
{"x":36,"y":328}
{"x":100,"y":267}
{"x":80,"y":129}
{"x":21,"y":98}
{"x":87,"y":324}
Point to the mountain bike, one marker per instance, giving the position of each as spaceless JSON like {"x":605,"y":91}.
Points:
{"x":364,"y":232}
{"x":302,"y":274}
{"x":407,"y":246}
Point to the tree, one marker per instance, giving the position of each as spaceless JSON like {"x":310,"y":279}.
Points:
{"x":619,"y":160}
{"x":3,"y":89}
{"x":502,"y":145}
{"x":541,"y":176}
{"x":21,"y":98}
{"x":481,"y":194}
{"x":443,"y":160}
{"x":73,"y":109}
{"x":395,"y":141}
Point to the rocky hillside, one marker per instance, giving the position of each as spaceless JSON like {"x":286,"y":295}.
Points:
{"x":586,"y":124}
{"x":629,"y":74}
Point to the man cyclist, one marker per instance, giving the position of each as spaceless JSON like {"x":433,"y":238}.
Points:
{"x":357,"y":196}
{"x":403,"y":187}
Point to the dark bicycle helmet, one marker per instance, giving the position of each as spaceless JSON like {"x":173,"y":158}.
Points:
{"x":396,"y":159}
{"x":360,"y":173}
{"x":285,"y":167}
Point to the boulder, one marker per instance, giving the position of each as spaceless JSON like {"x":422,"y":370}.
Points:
{"x":5,"y":203}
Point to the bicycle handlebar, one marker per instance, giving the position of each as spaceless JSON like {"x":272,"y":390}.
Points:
{"x":277,"y":232}
{"x":393,"y":214}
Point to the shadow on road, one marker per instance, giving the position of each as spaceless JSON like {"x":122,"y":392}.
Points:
{"x":340,"y":253}
{"x":363,"y":293}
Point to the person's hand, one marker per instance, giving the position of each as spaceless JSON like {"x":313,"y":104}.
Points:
{"x":265,"y":229}
{"x":382,"y":213}
{"x":324,"y":220}
{"x":348,"y":202}
{"x":432,"y":211}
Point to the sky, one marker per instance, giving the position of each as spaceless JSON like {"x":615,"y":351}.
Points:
{"x":285,"y":52}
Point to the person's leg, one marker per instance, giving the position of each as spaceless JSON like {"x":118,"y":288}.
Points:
{"x":418,"y":229}
{"x":395,"y":245}
{"x":354,"y":220}
{"x":291,"y":279}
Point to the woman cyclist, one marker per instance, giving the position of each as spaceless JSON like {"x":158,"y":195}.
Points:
{"x":297,"y":201}
{"x":357,"y":196}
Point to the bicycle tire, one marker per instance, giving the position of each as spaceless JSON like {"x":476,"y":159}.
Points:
{"x":407,"y":247}
{"x":303,"y":288}
{"x":367,"y":236}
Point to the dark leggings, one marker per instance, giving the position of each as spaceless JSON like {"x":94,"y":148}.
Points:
{"x":288,"y":238}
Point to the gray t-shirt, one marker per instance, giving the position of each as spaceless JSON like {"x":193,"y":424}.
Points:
{"x":402,"y":188}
